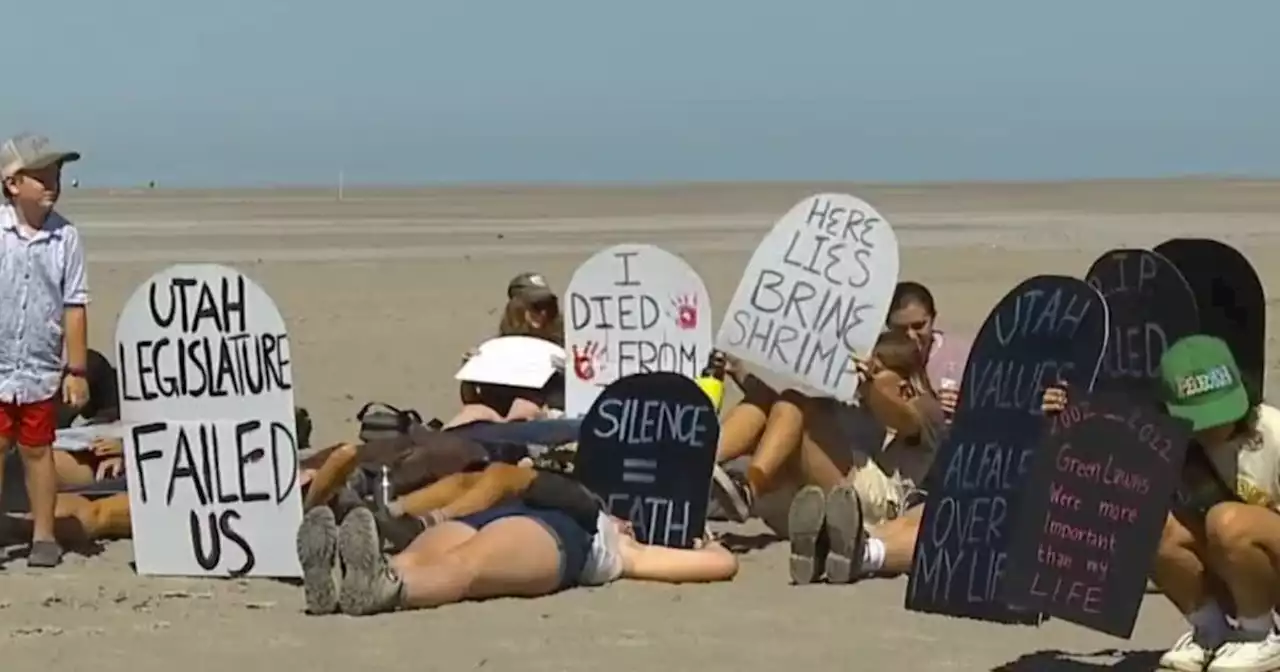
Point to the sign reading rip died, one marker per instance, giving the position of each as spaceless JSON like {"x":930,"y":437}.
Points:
{"x":647,"y":448}
{"x":1093,"y":510}
{"x":815,"y":293}
{"x":1151,"y":308}
{"x":633,"y":309}
{"x":206,"y":388}
{"x":1048,"y":329}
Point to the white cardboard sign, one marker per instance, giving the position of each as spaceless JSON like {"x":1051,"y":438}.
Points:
{"x":206,"y":388}
{"x":816,"y":292}
{"x":632,"y":309}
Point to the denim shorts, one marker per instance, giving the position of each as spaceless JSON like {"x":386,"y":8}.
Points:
{"x":573,"y":541}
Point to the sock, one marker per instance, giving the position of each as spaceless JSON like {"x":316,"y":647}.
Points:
{"x":872,"y":556}
{"x":1210,"y":623}
{"x":395,"y":508}
{"x":1257,"y":627}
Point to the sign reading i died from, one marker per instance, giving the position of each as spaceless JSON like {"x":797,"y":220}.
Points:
{"x":632,"y":309}
{"x":206,"y":388}
{"x":815,"y":293}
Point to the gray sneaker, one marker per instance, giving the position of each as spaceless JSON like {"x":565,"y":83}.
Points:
{"x":317,"y":545}
{"x":44,"y":554}
{"x":845,"y":533}
{"x":368,"y":584}
{"x":731,"y":492}
{"x":805,"y":519}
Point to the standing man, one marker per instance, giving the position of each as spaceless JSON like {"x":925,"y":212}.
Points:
{"x":43,"y":294}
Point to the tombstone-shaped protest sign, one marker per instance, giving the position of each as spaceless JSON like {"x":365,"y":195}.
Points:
{"x":647,"y":448}
{"x":206,"y":386}
{"x":633,"y":309}
{"x":1048,"y":329}
{"x":1232,"y":303}
{"x":1092,"y":511}
{"x":1151,"y":307}
{"x":816,"y":292}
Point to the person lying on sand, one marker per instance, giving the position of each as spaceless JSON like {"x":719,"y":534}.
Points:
{"x":543,"y":481}
{"x":794,"y":439}
{"x":513,"y":550}
{"x":870,"y":523}
{"x":1219,"y":555}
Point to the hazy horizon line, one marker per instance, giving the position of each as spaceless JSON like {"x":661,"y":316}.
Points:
{"x":662,"y":184}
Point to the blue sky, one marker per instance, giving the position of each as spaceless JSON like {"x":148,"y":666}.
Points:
{"x":236,"y":92}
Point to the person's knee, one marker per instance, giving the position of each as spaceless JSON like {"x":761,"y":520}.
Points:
{"x":1228,"y":527}
{"x":793,"y":398}
{"x":35,"y":453}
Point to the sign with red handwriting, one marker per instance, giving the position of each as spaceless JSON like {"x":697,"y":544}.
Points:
{"x":1093,"y":508}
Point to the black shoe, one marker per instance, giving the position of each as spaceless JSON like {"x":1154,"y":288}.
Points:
{"x":731,"y":491}
{"x":398,"y":532}
{"x":805,"y":521}
{"x":846,"y":534}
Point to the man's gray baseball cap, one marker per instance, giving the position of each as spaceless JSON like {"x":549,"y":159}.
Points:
{"x":28,"y":151}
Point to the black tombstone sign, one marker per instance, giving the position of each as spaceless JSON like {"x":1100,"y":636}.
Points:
{"x":1151,"y":307}
{"x":647,"y":448}
{"x":1092,"y":511}
{"x":1232,"y":303}
{"x":1048,"y":329}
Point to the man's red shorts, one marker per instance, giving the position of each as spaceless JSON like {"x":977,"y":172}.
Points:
{"x":31,"y":425}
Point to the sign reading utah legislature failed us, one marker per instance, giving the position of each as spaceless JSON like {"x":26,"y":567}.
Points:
{"x":211,"y":456}
{"x":815,"y":293}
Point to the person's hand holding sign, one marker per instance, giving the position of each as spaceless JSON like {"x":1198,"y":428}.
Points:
{"x":1054,"y":400}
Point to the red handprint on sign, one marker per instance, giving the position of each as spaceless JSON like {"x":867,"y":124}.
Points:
{"x":686,"y":311}
{"x":588,"y":361}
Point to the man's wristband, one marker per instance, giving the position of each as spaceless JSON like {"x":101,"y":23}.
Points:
{"x":77,"y":371}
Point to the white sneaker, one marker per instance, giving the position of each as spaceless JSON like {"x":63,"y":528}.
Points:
{"x":1186,"y":655}
{"x":1263,"y":656}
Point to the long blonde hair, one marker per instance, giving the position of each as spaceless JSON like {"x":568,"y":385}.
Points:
{"x":515,"y":320}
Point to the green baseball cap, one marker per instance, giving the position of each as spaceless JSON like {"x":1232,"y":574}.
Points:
{"x":1202,"y":382}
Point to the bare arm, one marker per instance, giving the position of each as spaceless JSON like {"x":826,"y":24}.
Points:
{"x":710,"y":563}
{"x":883,"y":395}
{"x":75,"y":296}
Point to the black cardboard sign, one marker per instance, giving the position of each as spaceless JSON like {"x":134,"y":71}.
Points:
{"x":1151,"y":307}
{"x":1231,"y":300}
{"x":1049,"y":328}
{"x":647,"y":448}
{"x":1092,"y":512}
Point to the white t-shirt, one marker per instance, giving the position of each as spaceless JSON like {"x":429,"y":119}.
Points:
{"x":1251,"y":464}
{"x":604,"y":560}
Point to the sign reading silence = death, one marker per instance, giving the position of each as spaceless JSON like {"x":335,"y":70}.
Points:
{"x":1092,"y":511}
{"x":1047,"y":329}
{"x":211,"y":458}
{"x":815,"y":294}
{"x":1151,"y":308}
{"x":632,"y":309}
{"x":647,"y":447}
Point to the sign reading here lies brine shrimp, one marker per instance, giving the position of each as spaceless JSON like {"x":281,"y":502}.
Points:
{"x":815,"y":293}
{"x":206,"y":387}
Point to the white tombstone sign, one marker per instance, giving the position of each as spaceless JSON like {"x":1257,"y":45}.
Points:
{"x":816,"y":291}
{"x":206,"y":388}
{"x":632,"y":309}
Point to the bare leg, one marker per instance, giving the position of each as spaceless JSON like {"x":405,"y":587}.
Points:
{"x":899,"y":539}
{"x":743,"y":424}
{"x":512,"y":557}
{"x":331,"y":476}
{"x":779,"y":443}
{"x":42,"y":489}
{"x":434,"y":496}
{"x":1244,"y":549}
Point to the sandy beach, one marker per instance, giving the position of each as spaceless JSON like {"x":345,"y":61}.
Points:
{"x":383,"y":290}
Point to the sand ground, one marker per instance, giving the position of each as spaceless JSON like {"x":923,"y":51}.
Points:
{"x":383,"y":290}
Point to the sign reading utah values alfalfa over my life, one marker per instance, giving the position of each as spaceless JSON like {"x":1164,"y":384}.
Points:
{"x":632,"y":309}
{"x":815,"y":293}
{"x":206,"y":388}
